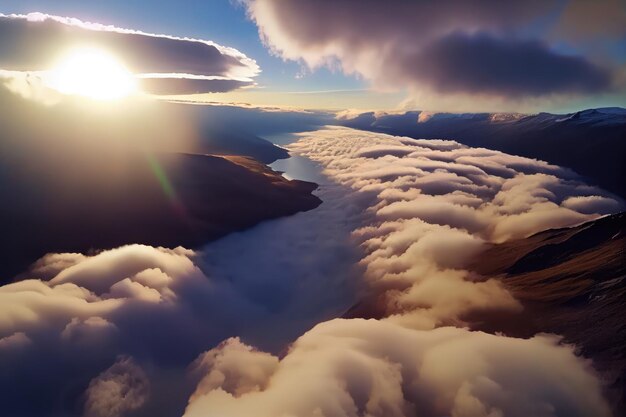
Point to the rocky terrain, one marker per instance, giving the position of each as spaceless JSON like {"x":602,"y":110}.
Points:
{"x":571,"y":282}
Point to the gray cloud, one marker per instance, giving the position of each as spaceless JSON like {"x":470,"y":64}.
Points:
{"x":33,"y":43}
{"x":186,"y":85}
{"x":592,"y":204}
{"x":444,"y":52}
{"x":484,"y":64}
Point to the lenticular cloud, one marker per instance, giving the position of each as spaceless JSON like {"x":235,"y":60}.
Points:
{"x":164,"y":64}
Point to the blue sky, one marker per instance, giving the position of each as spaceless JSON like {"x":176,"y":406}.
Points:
{"x":221,"y":21}
{"x":288,"y":83}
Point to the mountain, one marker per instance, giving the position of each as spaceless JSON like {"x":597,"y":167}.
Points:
{"x":234,"y":130}
{"x":78,"y":177}
{"x":160,"y":200}
{"x":591,"y":142}
{"x":571,"y":282}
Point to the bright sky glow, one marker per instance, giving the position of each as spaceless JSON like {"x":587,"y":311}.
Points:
{"x":92,"y":73}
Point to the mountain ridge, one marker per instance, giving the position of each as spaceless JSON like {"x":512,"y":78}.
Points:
{"x":591,"y":142}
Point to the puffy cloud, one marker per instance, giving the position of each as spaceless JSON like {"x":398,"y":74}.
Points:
{"x":73,"y":315}
{"x":88,"y":332}
{"x":167,"y":64}
{"x":434,"y":205}
{"x":483,"y":64}
{"x":233,"y":367}
{"x":15,"y":341}
{"x":121,"y":388}
{"x":153,"y":304}
{"x":592,"y":204}
{"x":448,"y":53}
{"x":375,"y":368}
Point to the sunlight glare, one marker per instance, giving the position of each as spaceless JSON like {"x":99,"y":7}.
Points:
{"x":91,"y":73}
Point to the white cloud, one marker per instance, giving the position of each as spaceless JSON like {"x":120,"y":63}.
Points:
{"x":121,"y":388}
{"x":418,"y":215}
{"x":164,"y":64}
{"x":375,"y":368}
{"x":434,"y":208}
{"x":592,"y":204}
{"x":443,"y":52}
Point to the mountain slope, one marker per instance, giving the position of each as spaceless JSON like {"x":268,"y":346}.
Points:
{"x":79,"y":176}
{"x":571,"y":282}
{"x":591,"y":142}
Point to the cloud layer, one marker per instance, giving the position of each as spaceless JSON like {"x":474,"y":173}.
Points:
{"x":121,"y":326}
{"x":375,"y":368}
{"x":445,"y":51}
{"x":68,"y":325}
{"x":435,"y":204}
{"x":168,"y":64}
{"x":429,"y":207}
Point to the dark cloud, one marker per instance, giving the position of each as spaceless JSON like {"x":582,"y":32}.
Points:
{"x":181,"y":85}
{"x":447,"y":54}
{"x":34,"y":42}
{"x":483,"y":64}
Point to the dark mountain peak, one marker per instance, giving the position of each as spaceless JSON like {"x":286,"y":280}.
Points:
{"x":611,"y":110}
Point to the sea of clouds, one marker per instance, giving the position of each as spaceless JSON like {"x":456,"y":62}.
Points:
{"x":124,"y":330}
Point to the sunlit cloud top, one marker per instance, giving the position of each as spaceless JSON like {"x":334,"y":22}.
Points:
{"x":161,"y":64}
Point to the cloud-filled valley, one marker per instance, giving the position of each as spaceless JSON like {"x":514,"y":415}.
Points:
{"x":417,"y":212}
{"x":436,"y":206}
{"x":541,"y":136}
{"x":175,"y":241}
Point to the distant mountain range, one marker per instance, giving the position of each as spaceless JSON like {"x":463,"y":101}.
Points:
{"x":591,"y":142}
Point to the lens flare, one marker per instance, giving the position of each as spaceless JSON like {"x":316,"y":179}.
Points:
{"x":166,"y":185}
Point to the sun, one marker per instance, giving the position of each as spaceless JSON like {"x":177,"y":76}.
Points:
{"x":92,"y":73}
